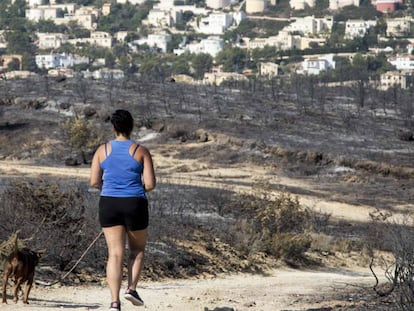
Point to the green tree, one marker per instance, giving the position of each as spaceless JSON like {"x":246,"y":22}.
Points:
{"x":180,"y":65}
{"x":125,"y":17}
{"x":232,"y":59}
{"x":201,"y":63}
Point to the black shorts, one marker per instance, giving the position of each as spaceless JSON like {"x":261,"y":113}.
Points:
{"x":130,"y":212}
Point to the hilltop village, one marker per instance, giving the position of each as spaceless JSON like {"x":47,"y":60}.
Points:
{"x":209,"y":41}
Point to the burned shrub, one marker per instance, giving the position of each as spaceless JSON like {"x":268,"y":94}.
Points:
{"x":274,"y":225}
{"x":52,"y":216}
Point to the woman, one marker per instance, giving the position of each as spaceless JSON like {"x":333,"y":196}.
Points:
{"x":124,"y":172}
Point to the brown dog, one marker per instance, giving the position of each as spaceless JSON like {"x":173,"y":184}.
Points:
{"x":20,"y":265}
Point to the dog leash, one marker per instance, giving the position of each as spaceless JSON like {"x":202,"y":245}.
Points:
{"x":74,"y":266}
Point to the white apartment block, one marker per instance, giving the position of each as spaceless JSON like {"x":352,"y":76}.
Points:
{"x":51,"y":40}
{"x":215,"y":23}
{"x":309,"y":25}
{"x":48,"y":61}
{"x":301,"y":4}
{"x":402,"y":62}
{"x":338,"y":4}
{"x":398,"y":27}
{"x":217,"y":4}
{"x":401,"y":79}
{"x":211,"y":45}
{"x":314,"y":66}
{"x":357,"y":28}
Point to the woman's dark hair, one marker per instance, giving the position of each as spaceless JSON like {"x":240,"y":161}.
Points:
{"x":122,"y":121}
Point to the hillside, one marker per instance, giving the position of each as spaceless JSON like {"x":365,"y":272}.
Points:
{"x":342,"y":161}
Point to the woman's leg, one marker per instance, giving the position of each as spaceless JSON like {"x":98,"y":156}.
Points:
{"x":137,"y":241}
{"x":115,"y":240}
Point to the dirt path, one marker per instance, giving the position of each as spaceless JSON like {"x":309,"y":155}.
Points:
{"x":281,"y":290}
{"x":223,"y":177}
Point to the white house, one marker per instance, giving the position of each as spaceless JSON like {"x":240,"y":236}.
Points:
{"x":268,"y":69}
{"x":157,"y":40}
{"x":301,"y":4}
{"x":98,"y":38}
{"x":211,"y":45}
{"x":217,"y":4}
{"x":106,"y":73}
{"x":402,"y":62}
{"x":309,"y":25}
{"x":33,"y":3}
{"x":338,"y":4}
{"x":398,"y":27}
{"x":160,"y":18}
{"x":135,"y":2}
{"x":51,"y":40}
{"x":48,"y":61}
{"x":357,"y":28}
{"x":316,"y":65}
{"x":215,"y":23}
{"x":402,"y":79}
{"x":256,"y":6}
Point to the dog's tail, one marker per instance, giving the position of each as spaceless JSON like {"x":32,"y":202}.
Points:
{"x":16,"y":244}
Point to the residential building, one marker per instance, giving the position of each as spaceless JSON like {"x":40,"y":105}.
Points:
{"x":401,"y":79}
{"x":357,"y":28}
{"x":33,"y":3}
{"x":268,"y":69}
{"x":157,"y":41}
{"x":338,"y":4}
{"x":49,"y":11}
{"x":402,"y":62}
{"x":399,"y":27}
{"x":301,"y":4}
{"x":217,"y":4}
{"x":106,"y":9}
{"x":51,"y":40}
{"x":48,"y":61}
{"x":121,"y":35}
{"x":387,"y":6}
{"x":256,"y":6}
{"x":135,"y":2}
{"x":309,"y":25}
{"x":160,"y":18}
{"x":315,"y":65}
{"x":215,"y":23}
{"x":106,"y":73}
{"x":211,"y":45}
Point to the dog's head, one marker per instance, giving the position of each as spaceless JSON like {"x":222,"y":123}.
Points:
{"x":38,"y":254}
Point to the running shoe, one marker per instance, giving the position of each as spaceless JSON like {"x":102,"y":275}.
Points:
{"x":133,"y":297}
{"x":115,"y":306}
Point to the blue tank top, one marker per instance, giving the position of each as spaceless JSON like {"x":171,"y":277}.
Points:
{"x":121,"y":172}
